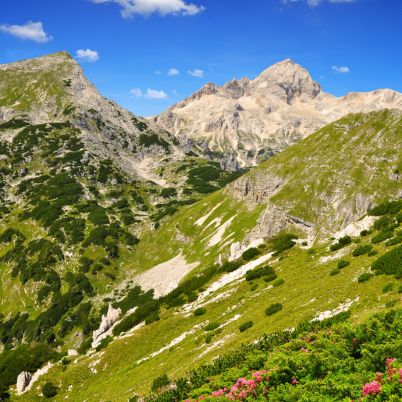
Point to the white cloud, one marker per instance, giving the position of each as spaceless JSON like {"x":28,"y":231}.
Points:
{"x":87,"y":55}
{"x":315,"y":3}
{"x":157,"y":72}
{"x":155,"y":94}
{"x":31,"y":31}
{"x":196,"y":72}
{"x":136,"y":92}
{"x":340,"y":70}
{"x":149,"y":93}
{"x":173,"y":71}
{"x":148,"y":7}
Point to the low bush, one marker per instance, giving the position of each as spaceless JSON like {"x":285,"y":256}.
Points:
{"x":389,"y":263}
{"x":212,"y":326}
{"x":282,"y":242}
{"x":278,"y":282}
{"x":49,"y":390}
{"x":246,"y":325}
{"x":343,"y":264}
{"x":342,"y":242}
{"x":200,"y":311}
{"x":265,"y":271}
{"x":273,"y":308}
{"x":364,"y":277}
{"x":250,"y":253}
{"x":160,"y":382}
{"x":335,"y":271}
{"x":361,"y":250}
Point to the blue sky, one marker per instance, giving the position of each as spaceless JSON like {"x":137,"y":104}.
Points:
{"x":128,"y":47}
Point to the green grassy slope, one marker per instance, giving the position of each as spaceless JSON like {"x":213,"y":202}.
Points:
{"x":332,"y":177}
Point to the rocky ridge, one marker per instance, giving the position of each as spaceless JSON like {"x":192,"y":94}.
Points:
{"x":250,"y":120}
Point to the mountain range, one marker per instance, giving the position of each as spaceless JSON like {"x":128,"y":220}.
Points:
{"x":251,"y":120}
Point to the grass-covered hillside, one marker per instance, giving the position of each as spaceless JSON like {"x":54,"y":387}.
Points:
{"x":331,"y":178}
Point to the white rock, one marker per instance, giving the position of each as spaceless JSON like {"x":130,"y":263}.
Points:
{"x":23,"y":380}
{"x":106,"y":325}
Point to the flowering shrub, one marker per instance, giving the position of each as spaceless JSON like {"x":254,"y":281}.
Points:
{"x":328,"y":361}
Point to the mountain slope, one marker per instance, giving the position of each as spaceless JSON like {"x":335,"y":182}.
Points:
{"x":253,"y":119}
{"x":237,"y":266}
{"x":80,"y":179}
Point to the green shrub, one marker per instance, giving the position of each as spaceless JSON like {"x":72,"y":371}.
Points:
{"x":200,"y":311}
{"x":386,"y":208}
{"x":343,"y":264}
{"x":168,"y":192}
{"x":335,"y":271}
{"x":160,"y":382}
{"x":342,"y":242}
{"x":212,"y":326}
{"x":389,"y":263}
{"x":246,"y":325}
{"x":273,"y":308}
{"x":382,"y":236}
{"x":361,"y":250}
{"x":265,"y":271}
{"x":278,"y":282}
{"x":388,"y":287}
{"x":250,"y":253}
{"x":364,"y":277}
{"x":282,"y":242}
{"x":49,"y":390}
{"x":372,"y":252}
{"x":394,"y":241}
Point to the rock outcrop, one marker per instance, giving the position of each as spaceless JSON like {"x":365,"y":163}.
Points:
{"x":106,"y":325}
{"x":252,"y":119}
{"x":23,"y":380}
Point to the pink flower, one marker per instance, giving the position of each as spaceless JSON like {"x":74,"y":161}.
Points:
{"x":304,"y":350}
{"x":294,"y":381}
{"x":371,"y":388}
{"x":400,"y":376}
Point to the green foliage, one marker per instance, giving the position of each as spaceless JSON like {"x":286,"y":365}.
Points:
{"x":342,"y":242}
{"x":250,"y":253}
{"x":134,"y":298}
{"x":278,"y":282}
{"x":273,"y":308}
{"x":160,"y":382}
{"x":335,"y":271}
{"x":362,"y":249}
{"x":49,"y":390}
{"x":212,"y":326}
{"x":343,"y":264}
{"x":168,"y":192}
{"x":364,"y":277}
{"x":390,"y":263}
{"x":282,"y":242}
{"x":150,"y":139}
{"x":25,"y":358}
{"x":200,"y":311}
{"x":265,"y":271}
{"x":245,"y":326}
{"x":390,"y":207}
{"x":144,"y":311}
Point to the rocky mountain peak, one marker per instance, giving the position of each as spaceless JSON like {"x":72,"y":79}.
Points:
{"x":291,"y":77}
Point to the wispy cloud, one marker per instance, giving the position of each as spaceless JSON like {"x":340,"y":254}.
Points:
{"x":315,"y":3}
{"x":173,"y":71}
{"x":31,"y":31}
{"x":340,"y":70}
{"x":87,"y":55}
{"x":149,"y":93}
{"x":196,"y":72}
{"x":148,"y":7}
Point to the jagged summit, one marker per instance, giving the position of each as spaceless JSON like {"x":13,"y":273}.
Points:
{"x":252,"y":119}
